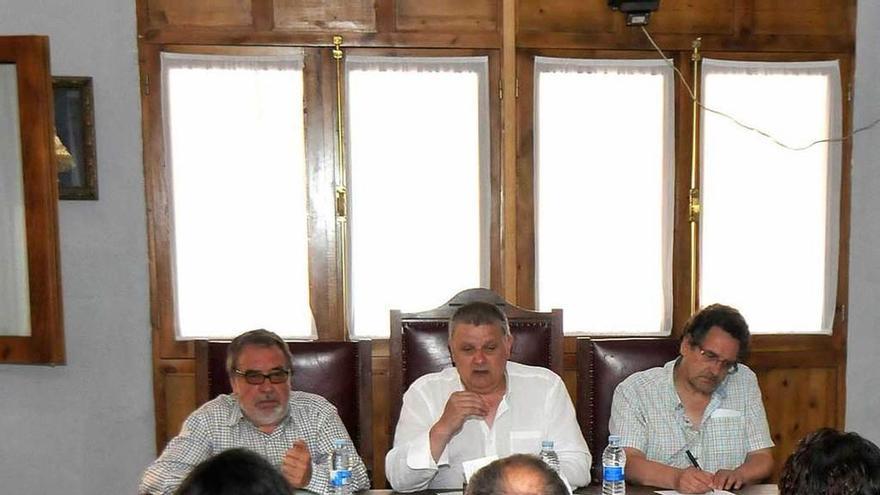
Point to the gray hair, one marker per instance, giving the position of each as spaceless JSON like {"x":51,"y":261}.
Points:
{"x":259,"y":338}
{"x":477,"y":314}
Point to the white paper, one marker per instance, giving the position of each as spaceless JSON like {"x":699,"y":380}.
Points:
{"x":713,"y":492}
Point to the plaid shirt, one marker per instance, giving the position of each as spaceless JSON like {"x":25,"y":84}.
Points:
{"x":220,"y":425}
{"x":647,"y":414}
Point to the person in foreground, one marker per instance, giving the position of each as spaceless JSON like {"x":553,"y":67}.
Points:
{"x":262,"y":414}
{"x":235,"y":472}
{"x":829,"y":462}
{"x":483,"y":406}
{"x":518,"y":474}
{"x":697,"y":423}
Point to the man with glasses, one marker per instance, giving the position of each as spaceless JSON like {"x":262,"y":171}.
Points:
{"x":291,"y":429}
{"x":697,"y":423}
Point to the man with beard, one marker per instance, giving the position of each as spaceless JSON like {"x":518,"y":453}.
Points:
{"x":262,"y":414}
{"x":697,"y":423}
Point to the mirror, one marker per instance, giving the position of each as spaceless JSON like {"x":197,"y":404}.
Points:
{"x":31,"y":329}
{"x":14,"y":303}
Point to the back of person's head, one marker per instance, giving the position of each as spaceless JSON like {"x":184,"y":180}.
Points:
{"x":518,"y":474}
{"x":479,"y":314}
{"x":829,"y":462}
{"x":235,"y":472}
{"x":718,"y":315}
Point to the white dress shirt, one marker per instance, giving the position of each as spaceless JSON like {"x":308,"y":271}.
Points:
{"x":535,"y":407}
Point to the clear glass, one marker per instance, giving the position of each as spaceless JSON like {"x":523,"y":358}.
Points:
{"x":418,"y":166}
{"x":603,"y":194}
{"x":769,"y":219}
{"x":15,"y":313}
{"x":235,"y":144}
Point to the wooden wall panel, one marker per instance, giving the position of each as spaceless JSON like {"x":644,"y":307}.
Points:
{"x":797,"y":401}
{"x":449,"y":15}
{"x":693,"y":17}
{"x":804,"y":17}
{"x":203,"y":13}
{"x":324,"y":15}
{"x":176,"y":397}
{"x":565,"y":16}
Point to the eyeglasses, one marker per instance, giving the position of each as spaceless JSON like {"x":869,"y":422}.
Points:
{"x":256,"y":378}
{"x":730,"y":366}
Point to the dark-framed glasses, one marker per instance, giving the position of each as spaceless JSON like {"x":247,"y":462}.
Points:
{"x":254,"y":377}
{"x":710,"y":357}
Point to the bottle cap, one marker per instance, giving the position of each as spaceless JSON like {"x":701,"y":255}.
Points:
{"x":547,"y":444}
{"x":614,"y":439}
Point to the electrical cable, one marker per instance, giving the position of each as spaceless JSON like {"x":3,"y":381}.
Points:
{"x":746,"y":126}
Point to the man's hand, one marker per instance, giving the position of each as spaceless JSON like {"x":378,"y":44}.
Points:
{"x":693,"y":480}
{"x":459,"y":407}
{"x":297,"y":465}
{"x":726,"y":479}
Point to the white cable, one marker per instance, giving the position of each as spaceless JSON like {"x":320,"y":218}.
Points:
{"x":743,"y":125}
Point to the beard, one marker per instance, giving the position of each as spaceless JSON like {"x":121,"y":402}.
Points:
{"x":268,"y":415}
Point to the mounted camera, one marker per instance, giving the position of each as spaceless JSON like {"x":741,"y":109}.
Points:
{"x":637,"y":11}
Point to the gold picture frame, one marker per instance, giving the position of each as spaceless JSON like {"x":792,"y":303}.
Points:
{"x":75,"y":138}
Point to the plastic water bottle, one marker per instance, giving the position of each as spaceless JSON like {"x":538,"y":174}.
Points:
{"x":340,"y":468}
{"x":613,"y":466}
{"x":548,"y":455}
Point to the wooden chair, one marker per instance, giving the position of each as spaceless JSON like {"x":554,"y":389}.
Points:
{"x":338,"y":371}
{"x":601,"y":365}
{"x":419,"y":341}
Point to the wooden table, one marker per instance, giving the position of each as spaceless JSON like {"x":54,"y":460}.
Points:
{"x":597,"y":490}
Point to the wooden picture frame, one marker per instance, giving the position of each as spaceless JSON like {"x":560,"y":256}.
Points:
{"x":75,"y":138}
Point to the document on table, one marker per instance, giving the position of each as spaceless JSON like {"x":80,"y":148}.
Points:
{"x":713,"y":492}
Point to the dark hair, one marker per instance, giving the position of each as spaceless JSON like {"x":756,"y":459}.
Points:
{"x":235,"y":472}
{"x":829,"y":462}
{"x":494,"y":479}
{"x":260,"y":338}
{"x":728,"y":319}
{"x":479,"y":313}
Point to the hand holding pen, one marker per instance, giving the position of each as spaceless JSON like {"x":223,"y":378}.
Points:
{"x":694,"y":479}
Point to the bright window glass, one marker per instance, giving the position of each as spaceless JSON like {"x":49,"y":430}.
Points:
{"x":418,"y":184}
{"x":234,"y":143}
{"x":603,"y":193}
{"x":770,"y":214}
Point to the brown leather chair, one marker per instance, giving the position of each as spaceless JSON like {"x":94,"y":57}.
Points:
{"x":419,"y":341}
{"x":338,"y":371}
{"x":601,"y":365}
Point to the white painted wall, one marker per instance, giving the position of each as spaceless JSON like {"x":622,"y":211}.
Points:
{"x":87,"y":428}
{"x":863,"y":362}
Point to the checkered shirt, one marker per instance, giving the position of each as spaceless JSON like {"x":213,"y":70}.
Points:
{"x":647,"y":414}
{"x":220,"y":425}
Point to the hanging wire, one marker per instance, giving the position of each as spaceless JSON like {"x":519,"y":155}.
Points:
{"x":746,"y":126}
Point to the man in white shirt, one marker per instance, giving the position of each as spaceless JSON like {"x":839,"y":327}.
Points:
{"x":485,"y":406}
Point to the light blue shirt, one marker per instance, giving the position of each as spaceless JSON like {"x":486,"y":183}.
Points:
{"x":648,"y":415}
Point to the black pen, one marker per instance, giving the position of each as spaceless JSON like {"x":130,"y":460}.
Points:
{"x":692,"y":458}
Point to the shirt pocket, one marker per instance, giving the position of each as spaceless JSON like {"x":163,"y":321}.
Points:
{"x":525,"y":442}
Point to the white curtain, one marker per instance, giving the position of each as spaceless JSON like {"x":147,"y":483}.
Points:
{"x":769,"y":243}
{"x":15,"y":313}
{"x":418,"y":148}
{"x":604,"y":162}
{"x":234,"y":144}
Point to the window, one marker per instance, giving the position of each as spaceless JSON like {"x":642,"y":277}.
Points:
{"x":770,"y":214}
{"x":418,"y":134}
{"x":234,"y":145}
{"x":603,"y":181}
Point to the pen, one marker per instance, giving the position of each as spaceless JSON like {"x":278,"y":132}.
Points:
{"x":692,"y":458}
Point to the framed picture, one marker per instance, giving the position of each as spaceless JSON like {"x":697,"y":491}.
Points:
{"x":75,"y":138}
